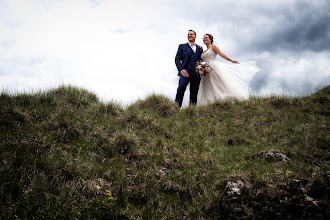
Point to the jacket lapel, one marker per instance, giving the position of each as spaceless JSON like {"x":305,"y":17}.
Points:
{"x":190,"y":50}
{"x":197,"y":49}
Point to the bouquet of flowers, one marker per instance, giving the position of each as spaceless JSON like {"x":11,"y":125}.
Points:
{"x":202,"y":68}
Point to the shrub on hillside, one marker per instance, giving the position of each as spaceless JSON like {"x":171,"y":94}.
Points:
{"x":70,"y":95}
{"x":160,"y":104}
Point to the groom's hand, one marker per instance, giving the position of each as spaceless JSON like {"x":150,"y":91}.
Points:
{"x":185,"y":73}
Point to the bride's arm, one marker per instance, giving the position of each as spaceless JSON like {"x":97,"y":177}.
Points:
{"x":219,"y":52}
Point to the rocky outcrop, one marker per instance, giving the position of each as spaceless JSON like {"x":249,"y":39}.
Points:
{"x":296,"y":199}
{"x":278,"y":156}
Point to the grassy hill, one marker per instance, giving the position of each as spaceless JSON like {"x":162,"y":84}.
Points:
{"x":61,"y":150}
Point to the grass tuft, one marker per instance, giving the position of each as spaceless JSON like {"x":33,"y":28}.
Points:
{"x":159,"y":104}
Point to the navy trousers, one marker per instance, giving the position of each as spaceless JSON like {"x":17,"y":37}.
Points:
{"x":194,"y":86}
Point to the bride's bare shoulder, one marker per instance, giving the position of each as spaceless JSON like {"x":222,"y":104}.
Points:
{"x":214,"y":47}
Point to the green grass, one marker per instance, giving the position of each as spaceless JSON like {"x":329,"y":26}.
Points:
{"x":62,"y":149}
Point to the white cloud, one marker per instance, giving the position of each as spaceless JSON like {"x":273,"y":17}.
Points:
{"x":106,"y":48}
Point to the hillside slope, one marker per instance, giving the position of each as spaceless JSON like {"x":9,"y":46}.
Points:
{"x":61,"y":150}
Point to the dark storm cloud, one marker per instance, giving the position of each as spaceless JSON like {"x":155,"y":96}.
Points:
{"x":306,"y":27}
{"x":267,"y":25}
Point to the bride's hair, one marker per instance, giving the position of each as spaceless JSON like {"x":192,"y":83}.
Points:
{"x":211,"y":37}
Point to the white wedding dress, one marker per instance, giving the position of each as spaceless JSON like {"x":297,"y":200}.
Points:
{"x":225,"y":81}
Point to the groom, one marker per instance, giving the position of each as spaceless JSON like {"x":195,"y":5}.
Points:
{"x":185,"y":60}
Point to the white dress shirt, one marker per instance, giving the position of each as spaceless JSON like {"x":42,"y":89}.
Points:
{"x":193,"y":46}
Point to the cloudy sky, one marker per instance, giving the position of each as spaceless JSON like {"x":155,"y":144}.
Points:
{"x":124,"y":50}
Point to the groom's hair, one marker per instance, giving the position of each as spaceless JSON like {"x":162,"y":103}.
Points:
{"x":193,"y":31}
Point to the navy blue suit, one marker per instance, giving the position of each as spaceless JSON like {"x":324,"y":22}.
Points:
{"x":186,"y":59}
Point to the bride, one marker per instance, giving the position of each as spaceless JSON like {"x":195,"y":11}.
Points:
{"x":224,"y":81}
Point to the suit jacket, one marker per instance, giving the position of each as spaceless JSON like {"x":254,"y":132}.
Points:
{"x":186,"y":58}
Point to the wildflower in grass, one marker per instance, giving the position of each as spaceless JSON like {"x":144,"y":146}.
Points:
{"x":109,"y":194}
